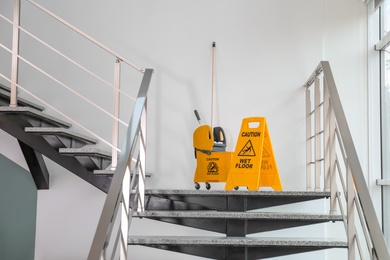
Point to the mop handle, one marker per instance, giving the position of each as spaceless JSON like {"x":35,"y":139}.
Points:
{"x":197,"y":116}
{"x":212,"y":87}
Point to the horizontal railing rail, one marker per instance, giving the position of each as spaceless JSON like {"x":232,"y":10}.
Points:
{"x":326,"y":126}
{"x":88,"y":37}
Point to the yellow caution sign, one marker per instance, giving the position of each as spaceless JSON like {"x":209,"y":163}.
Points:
{"x":253,"y":164}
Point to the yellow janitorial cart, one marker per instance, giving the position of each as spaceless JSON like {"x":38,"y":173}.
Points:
{"x":212,"y":161}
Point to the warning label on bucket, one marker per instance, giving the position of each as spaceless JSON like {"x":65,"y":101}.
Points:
{"x":212,"y":168}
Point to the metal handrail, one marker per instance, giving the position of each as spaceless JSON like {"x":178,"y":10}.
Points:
{"x":65,"y":86}
{"x":66,"y":57}
{"x":114,"y":197}
{"x":62,"y":114}
{"x":356,"y":192}
{"x":116,"y":85}
{"x":88,"y":37}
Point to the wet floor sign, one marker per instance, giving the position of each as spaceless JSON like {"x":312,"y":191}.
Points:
{"x":253,"y":163}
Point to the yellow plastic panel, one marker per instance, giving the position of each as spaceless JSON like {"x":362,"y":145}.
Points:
{"x":203,"y":138}
{"x":213,"y":167}
{"x":253,"y":163}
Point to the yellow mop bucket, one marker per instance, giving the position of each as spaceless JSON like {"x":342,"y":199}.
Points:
{"x":253,"y":164}
{"x":211,"y":166}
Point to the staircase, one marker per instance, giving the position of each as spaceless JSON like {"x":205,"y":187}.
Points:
{"x":40,"y":134}
{"x":234,"y":215}
{"x":238,"y":217}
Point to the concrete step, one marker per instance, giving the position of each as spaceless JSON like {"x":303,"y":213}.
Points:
{"x":239,"y":200}
{"x":236,"y":247}
{"x":91,"y":157}
{"x":238,"y":223}
{"x":60,"y":137}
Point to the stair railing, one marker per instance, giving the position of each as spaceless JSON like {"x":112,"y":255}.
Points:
{"x":106,"y":245}
{"x":331,"y":153}
{"x":119,"y":59}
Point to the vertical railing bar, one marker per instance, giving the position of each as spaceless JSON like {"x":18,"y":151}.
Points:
{"x":333,"y":161}
{"x":327,"y":140}
{"x":359,"y":246}
{"x":342,"y":211}
{"x":141,"y":180}
{"x":344,"y":186}
{"x":362,"y":220}
{"x":341,"y":146}
{"x":318,"y":137}
{"x":351,"y":235}
{"x":15,"y":54}
{"x":115,"y":246}
{"x":124,"y":226}
{"x":308,"y":141}
{"x":115,"y":126}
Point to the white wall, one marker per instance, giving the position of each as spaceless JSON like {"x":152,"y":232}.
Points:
{"x":265,"y":52}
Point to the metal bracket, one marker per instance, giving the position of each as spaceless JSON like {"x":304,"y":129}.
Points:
{"x":382,"y":182}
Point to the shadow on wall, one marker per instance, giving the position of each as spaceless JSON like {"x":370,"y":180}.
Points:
{"x":18,"y":206}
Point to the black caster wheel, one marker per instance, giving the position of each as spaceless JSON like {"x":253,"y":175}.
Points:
{"x":236,"y":188}
{"x":208,"y":186}
{"x":197,"y":186}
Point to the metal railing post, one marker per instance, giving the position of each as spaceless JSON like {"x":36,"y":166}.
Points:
{"x":351,"y":230}
{"x":332,"y":163}
{"x":327,"y":130}
{"x":115,"y":127}
{"x":15,"y":54}
{"x":125,"y":214}
{"x":308,"y":140}
{"x":317,"y":130}
{"x":142,"y":165}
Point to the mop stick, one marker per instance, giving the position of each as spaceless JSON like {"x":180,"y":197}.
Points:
{"x":212,"y":87}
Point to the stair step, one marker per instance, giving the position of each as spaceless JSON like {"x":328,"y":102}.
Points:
{"x":34,"y":117}
{"x":236,"y":247}
{"x":59,"y":137}
{"x":239,"y":200}
{"x":21,"y":102}
{"x":91,"y":157}
{"x":236,"y":215}
{"x":238,"y":223}
{"x":109,"y":172}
